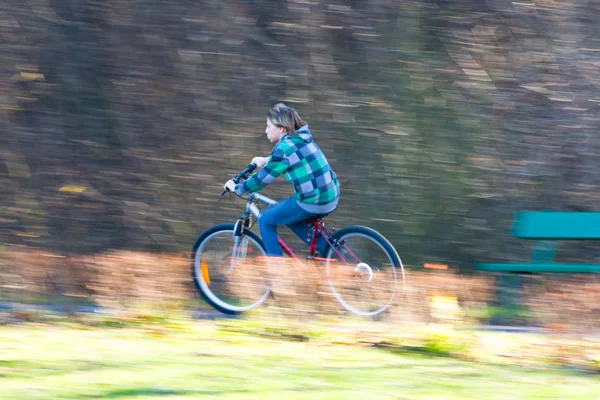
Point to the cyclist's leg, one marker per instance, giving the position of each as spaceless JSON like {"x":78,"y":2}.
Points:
{"x":305,"y":231}
{"x":286,"y":212}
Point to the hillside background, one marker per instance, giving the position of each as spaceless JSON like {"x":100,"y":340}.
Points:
{"x":121,"y":120}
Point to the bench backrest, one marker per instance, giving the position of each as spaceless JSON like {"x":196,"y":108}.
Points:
{"x":557,"y":225}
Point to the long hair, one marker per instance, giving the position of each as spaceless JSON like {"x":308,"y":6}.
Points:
{"x":286,"y":117}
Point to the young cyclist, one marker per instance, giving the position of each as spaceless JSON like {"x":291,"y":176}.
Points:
{"x":303,"y":164}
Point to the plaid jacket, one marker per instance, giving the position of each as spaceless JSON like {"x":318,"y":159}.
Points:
{"x":303,"y":164}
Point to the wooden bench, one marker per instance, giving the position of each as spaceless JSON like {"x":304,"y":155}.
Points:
{"x":548,"y":227}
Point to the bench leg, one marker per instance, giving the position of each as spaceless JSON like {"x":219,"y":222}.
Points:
{"x":508,"y":301}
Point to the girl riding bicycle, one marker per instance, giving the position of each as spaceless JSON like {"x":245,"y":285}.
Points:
{"x":304,"y":166}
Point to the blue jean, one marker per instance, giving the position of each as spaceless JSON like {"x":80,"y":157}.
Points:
{"x":288,"y":213}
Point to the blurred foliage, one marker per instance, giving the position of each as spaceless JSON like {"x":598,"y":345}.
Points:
{"x":122,"y":119}
{"x":141,"y":283}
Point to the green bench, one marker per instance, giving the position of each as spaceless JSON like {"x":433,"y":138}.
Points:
{"x":548,"y":227}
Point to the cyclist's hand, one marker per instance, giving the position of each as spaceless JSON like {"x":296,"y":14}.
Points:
{"x":260,"y":161}
{"x":229,"y":185}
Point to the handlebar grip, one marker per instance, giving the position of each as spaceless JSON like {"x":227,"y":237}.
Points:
{"x":251,"y":167}
{"x":244,"y":174}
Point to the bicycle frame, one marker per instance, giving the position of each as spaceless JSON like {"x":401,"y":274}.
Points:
{"x":318,"y":227}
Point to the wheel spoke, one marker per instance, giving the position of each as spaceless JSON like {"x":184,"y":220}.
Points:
{"x":370,"y":273}
{"x":226,"y":275}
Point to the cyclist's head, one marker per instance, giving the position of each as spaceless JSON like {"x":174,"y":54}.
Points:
{"x":285,"y":114}
{"x":282,"y":117}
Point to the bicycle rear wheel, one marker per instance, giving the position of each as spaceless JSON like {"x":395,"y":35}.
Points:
{"x":367,"y":274}
{"x":227,"y":269}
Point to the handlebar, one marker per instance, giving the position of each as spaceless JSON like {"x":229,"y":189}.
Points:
{"x":242,"y":175}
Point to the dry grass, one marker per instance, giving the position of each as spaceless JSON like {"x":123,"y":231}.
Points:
{"x":111,"y":279}
{"x":118,"y":278}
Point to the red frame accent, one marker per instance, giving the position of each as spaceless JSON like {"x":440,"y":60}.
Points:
{"x":318,"y":227}
{"x":285,"y":248}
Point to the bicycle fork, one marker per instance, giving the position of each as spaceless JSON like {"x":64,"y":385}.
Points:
{"x":240,"y":242}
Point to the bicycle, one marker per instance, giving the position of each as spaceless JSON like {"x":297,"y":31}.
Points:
{"x":362,"y":267}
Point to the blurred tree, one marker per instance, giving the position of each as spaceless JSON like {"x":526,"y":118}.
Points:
{"x":441,"y":118}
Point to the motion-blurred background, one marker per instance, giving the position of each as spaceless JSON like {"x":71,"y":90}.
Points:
{"x":121,"y":120}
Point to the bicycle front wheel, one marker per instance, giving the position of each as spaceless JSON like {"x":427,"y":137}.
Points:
{"x":227,"y":269}
{"x":364,"y":271}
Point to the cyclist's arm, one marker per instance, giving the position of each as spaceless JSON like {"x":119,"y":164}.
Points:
{"x":275,"y":166}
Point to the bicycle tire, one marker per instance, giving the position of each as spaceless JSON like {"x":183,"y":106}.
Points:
{"x":361,"y":273}
{"x":202,"y":282}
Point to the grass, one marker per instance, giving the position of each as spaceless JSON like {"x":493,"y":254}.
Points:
{"x":145,"y":357}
